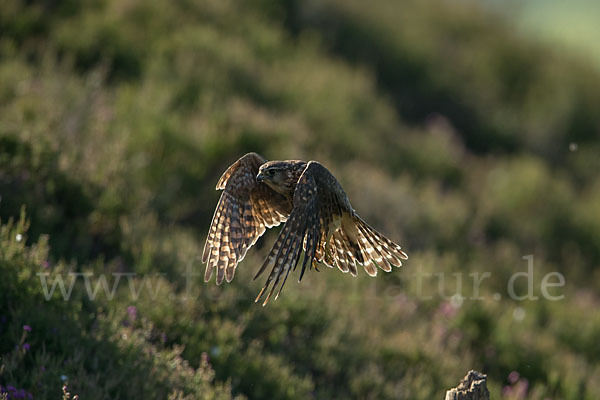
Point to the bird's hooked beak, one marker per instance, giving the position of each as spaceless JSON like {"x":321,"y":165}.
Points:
{"x":260,"y":177}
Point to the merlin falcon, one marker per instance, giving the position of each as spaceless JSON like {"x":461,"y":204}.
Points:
{"x":317,"y":215}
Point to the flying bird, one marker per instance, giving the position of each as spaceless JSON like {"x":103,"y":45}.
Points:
{"x":317,"y":215}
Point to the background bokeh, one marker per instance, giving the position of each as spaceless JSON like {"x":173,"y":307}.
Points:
{"x":462,"y":131}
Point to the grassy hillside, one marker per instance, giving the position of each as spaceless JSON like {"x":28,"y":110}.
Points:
{"x":560,"y":24}
{"x":460,"y":139}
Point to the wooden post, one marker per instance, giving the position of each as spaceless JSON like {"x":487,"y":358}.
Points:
{"x":472,"y":387}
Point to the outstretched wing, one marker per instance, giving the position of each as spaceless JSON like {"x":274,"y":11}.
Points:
{"x":319,"y":203}
{"x":356,"y":243}
{"x":324,"y":225}
{"x":246,"y":208}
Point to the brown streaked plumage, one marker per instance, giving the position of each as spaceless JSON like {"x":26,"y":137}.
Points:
{"x":319,"y":220}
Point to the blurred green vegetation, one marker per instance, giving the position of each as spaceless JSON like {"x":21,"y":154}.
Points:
{"x":565,"y":26}
{"x":465,"y":142}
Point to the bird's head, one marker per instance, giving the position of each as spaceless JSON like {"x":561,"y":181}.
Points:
{"x":281,"y":176}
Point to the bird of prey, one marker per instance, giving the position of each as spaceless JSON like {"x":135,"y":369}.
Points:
{"x":318,"y":217}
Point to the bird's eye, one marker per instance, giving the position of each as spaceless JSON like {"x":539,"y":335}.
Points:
{"x":271,"y":172}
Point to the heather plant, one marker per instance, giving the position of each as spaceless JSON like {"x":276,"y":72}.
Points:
{"x":51,"y":349}
{"x":458,"y":137}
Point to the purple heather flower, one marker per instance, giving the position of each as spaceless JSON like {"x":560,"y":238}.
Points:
{"x":27,"y":328}
{"x":513,"y":377}
{"x":132,"y":311}
{"x":26,"y":346}
{"x":523,"y":386}
{"x":447,"y":309}
{"x":11,"y":388}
